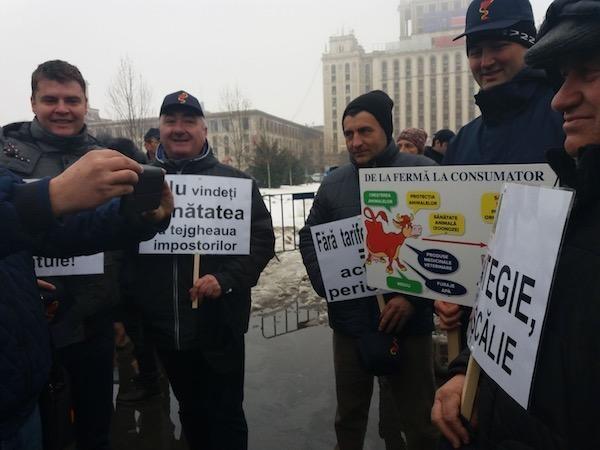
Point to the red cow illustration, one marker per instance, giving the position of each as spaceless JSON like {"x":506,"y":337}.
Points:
{"x":382,"y":244}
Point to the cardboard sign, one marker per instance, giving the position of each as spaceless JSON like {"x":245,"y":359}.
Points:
{"x":427,"y":227}
{"x":506,"y":324}
{"x":340,"y":251}
{"x":79,"y":265}
{"x":212,"y":216}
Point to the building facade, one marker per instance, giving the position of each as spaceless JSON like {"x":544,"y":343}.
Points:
{"x":425,"y":72}
{"x":234,"y":135}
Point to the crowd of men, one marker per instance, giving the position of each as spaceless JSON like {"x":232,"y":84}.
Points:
{"x":540,"y":102}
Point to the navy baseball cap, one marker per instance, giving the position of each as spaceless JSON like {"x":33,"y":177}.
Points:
{"x":491,"y":15}
{"x":152,"y":133}
{"x":181,"y":98}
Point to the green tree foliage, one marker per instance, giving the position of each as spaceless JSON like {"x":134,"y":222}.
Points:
{"x":273,"y":166}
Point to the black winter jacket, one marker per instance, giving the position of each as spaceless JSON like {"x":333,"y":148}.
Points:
{"x":338,"y":198}
{"x":88,"y":299}
{"x":517,"y":124}
{"x":159,"y":284}
{"x":28,"y":227}
{"x":564,"y":412}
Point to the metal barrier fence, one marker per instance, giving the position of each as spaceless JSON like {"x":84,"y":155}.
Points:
{"x":289,"y":212}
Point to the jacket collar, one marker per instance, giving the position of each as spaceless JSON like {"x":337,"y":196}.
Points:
{"x":60,"y":143}
{"x":383,"y":159}
{"x":503,"y":101}
{"x":581,"y":173}
{"x":206,"y":158}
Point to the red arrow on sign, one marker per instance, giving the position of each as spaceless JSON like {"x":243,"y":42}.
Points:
{"x":477,"y":244}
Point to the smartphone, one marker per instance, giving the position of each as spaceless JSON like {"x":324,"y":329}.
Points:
{"x":146,"y":193}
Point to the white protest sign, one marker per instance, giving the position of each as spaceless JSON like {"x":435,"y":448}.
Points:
{"x":506,"y":324}
{"x":78,"y":265}
{"x":427,"y":227}
{"x":212,"y":216}
{"x":340,"y":252}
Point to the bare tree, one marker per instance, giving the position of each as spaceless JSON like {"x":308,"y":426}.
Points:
{"x":130,"y":99}
{"x":236,"y":125}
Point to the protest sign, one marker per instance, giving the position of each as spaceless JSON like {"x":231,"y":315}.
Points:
{"x":212,"y":216}
{"x":79,"y":265}
{"x":340,"y":252}
{"x":506,"y":323}
{"x":427,"y":227}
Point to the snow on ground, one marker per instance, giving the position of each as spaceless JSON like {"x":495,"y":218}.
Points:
{"x":284,"y":285}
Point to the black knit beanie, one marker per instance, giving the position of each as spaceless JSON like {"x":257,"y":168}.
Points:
{"x":377,"y":103}
{"x":521,"y":32}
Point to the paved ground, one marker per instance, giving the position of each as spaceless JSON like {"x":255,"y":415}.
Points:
{"x":290,"y":398}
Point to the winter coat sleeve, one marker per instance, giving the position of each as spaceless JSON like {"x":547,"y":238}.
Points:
{"x":242,"y":272}
{"x":20,"y":219}
{"x":28,"y":222}
{"x":318,"y":214}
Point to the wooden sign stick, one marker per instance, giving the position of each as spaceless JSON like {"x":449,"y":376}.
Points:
{"x":195,"y":276}
{"x":453,"y":343}
{"x":380,"y":302}
{"x":469,"y":392}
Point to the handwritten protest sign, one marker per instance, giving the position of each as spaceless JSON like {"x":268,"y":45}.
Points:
{"x":506,"y":324}
{"x":427,"y":227}
{"x":340,"y":252}
{"x":212,"y":216}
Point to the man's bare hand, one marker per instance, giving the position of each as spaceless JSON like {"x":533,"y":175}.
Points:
{"x":205,"y":287}
{"x":95,"y":178}
{"x":52,"y":307}
{"x":449,"y":314}
{"x":445,"y":414}
{"x":396,"y":313}
{"x":165,"y":208}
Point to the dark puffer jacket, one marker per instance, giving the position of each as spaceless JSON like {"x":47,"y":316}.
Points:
{"x":517,"y":124}
{"x":339,"y":198}
{"x":159,"y":284}
{"x":28,"y":227}
{"x":564,"y":413}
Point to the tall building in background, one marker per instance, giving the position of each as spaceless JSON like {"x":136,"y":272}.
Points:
{"x":424,"y":72}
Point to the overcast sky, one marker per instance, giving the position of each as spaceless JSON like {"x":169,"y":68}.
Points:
{"x":271,"y":49}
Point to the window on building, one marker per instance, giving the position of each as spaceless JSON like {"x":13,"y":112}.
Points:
{"x":420,"y":65}
{"x":396,"y":86}
{"x":245,"y":123}
{"x":333,"y":90}
{"x":384,"y":67}
{"x":458,"y":59}
{"x":225,"y":124}
{"x":408,"y":68}
{"x":432,"y":65}
{"x":445,"y":64}
{"x":347,"y":89}
{"x":384,"y":86}
{"x":347,"y":71}
{"x":334,"y":102}
{"x":396,"y":69}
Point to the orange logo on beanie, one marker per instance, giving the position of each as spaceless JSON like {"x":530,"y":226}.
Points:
{"x":484,"y":8}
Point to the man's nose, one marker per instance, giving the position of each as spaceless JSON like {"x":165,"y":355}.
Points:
{"x":487,"y":58}
{"x":61,"y":107}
